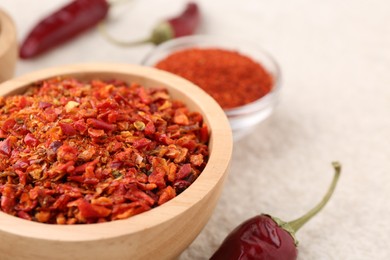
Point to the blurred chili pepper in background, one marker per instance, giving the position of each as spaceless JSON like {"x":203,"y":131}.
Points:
{"x":63,"y":25}
{"x":81,"y":15}
{"x":184,"y":24}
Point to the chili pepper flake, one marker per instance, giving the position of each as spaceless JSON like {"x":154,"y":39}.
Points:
{"x":70,"y":105}
{"x":74,"y":152}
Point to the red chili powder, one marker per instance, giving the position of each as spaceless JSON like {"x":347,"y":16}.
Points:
{"x":231,"y":78}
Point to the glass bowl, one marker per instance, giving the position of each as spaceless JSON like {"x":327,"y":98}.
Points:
{"x":242,"y":119}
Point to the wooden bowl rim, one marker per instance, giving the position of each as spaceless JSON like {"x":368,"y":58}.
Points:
{"x":7,"y":32}
{"x":220,"y":145}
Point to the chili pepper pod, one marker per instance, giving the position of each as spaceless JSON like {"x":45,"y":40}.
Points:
{"x":184,"y":24}
{"x":264,"y":237}
{"x":63,"y":25}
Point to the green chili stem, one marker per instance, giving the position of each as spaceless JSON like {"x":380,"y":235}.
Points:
{"x":110,"y":38}
{"x":298,"y":223}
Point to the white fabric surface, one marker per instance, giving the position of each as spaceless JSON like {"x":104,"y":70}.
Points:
{"x":335,"y":105}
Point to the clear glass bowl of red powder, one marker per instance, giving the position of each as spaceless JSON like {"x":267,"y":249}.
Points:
{"x":240,"y":76}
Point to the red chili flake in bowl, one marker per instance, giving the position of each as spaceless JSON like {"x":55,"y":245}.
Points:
{"x":231,"y":78}
{"x":84,"y":152}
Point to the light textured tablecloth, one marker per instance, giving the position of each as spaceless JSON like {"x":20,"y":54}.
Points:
{"x":335,"y":105}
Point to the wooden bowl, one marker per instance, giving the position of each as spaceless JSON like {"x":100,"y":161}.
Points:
{"x":8,"y":47}
{"x":161,"y":233}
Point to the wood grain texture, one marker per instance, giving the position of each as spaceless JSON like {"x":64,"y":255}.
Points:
{"x":161,"y":233}
{"x":8,"y":46}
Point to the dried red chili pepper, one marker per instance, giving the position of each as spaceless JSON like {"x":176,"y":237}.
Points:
{"x":63,"y":25}
{"x":264,"y":237}
{"x":231,"y":78}
{"x":184,"y":24}
{"x":84,"y":152}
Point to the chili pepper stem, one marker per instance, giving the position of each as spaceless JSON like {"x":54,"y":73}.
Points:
{"x":161,"y":33}
{"x":296,"y":224}
{"x":103,"y":30}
